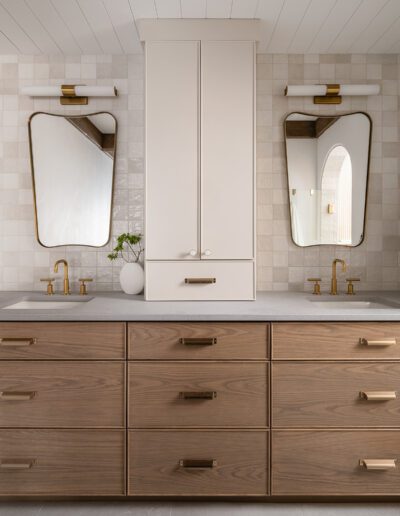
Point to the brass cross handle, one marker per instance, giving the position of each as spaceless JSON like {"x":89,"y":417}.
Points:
{"x":317,"y":286}
{"x":50,"y":288}
{"x":350,"y":286}
{"x":82,"y":288}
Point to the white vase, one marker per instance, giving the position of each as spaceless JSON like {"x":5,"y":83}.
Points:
{"x":131,"y":278}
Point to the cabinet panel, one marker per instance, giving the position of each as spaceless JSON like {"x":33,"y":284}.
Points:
{"x":227,"y":86}
{"x":172,"y":83}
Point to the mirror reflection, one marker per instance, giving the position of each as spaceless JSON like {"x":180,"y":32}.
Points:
{"x":72,"y":161}
{"x":327,"y":165}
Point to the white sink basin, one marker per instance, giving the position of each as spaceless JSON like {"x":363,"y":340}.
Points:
{"x":48,"y":304}
{"x":355,"y":304}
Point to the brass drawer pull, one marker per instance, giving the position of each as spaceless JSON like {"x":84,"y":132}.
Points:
{"x":381,"y":342}
{"x":198,"y":463}
{"x":17,"y":463}
{"x":199,"y":281}
{"x":17,"y":395}
{"x":378,"y":395}
{"x":195,"y":341}
{"x":16,"y":342}
{"x":198,"y":395}
{"x":378,"y":464}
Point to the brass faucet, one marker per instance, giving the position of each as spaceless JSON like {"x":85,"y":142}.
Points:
{"x":66,"y":278}
{"x":334,"y":280}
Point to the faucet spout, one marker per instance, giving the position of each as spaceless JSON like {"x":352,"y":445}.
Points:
{"x":334,"y":277}
{"x":66,"y":277}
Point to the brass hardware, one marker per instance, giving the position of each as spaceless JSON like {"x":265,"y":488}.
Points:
{"x":350,"y":286}
{"x":331,"y":97}
{"x":69,"y":97}
{"x":331,"y":209}
{"x":17,"y":463}
{"x":200,"y":280}
{"x":378,"y":395}
{"x":198,"y":463}
{"x":317,"y":286}
{"x":82,"y":288}
{"x":66,"y":278}
{"x":17,"y":395}
{"x":194,"y":341}
{"x":199,"y":395}
{"x":50,"y":288}
{"x":381,"y":342}
{"x":378,"y":464}
{"x":334,"y":279}
{"x":14,"y":342}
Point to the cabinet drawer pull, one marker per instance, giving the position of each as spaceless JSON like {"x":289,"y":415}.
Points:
{"x":17,"y":395}
{"x":17,"y":463}
{"x":378,"y":395}
{"x":15,"y":342}
{"x":199,"y":281}
{"x":198,"y":463}
{"x":378,"y":464}
{"x":380,"y":342}
{"x":195,"y":341}
{"x":198,"y":395}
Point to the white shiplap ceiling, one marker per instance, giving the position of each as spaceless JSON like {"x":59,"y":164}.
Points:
{"x":109,"y":26}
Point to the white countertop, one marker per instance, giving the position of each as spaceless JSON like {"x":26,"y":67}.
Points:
{"x":269,"y":306}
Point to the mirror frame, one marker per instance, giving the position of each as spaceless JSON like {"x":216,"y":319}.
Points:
{"x":319,"y":115}
{"x":80,"y":115}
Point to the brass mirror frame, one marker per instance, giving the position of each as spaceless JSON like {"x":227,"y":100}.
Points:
{"x":367,"y":180}
{"x":33,"y":174}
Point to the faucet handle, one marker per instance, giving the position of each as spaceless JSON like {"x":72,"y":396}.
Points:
{"x":82,"y":288}
{"x":50,"y":288}
{"x":350,"y":286}
{"x":317,"y":286}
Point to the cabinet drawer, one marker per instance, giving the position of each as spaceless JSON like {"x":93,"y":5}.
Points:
{"x":198,"y":341}
{"x":61,"y":462}
{"x":62,"y":394}
{"x":234,"y":463}
{"x":343,"y":341}
{"x":343,"y":394}
{"x":194,"y":281}
{"x":198,"y":394}
{"x":60,"y":341}
{"x":328,"y":462}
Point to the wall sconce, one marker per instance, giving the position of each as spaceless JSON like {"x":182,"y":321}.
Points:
{"x":331,"y":93}
{"x":70,"y":94}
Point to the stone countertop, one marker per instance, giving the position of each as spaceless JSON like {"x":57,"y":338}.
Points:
{"x":269,"y":306}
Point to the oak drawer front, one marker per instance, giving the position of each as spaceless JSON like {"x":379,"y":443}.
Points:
{"x":198,"y":394}
{"x":343,"y":462}
{"x":62,"y":394}
{"x":326,"y":394}
{"x":61,"y":341}
{"x":198,"y":463}
{"x":343,"y":341}
{"x":62,"y":462}
{"x":194,"y":341}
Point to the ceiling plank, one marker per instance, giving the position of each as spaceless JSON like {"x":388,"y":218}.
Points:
{"x":193,"y":8}
{"x":6,"y":47}
{"x":268,"y":11}
{"x":244,"y":8}
{"x":143,"y":9}
{"x":287,"y":25}
{"x":168,"y":9}
{"x":218,"y":8}
{"x":13,"y":31}
{"x":387,"y":42}
{"x":124,"y":25}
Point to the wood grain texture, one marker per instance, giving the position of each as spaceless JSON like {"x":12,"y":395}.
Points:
{"x":154,"y":462}
{"x":60,"y":341}
{"x":67,"y":462}
{"x":162,"y":341}
{"x":327,"y":462}
{"x":241,"y":398}
{"x":67,"y":394}
{"x":315,"y":341}
{"x":327,"y":394}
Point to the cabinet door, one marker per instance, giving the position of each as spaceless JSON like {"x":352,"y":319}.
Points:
{"x":172,"y":84}
{"x":227,"y":127}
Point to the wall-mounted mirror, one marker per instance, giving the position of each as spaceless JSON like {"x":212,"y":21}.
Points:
{"x":72,"y":160}
{"x":327,"y":165}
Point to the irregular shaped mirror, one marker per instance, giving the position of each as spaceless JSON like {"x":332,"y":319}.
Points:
{"x":327,"y":165}
{"x":72,"y":160}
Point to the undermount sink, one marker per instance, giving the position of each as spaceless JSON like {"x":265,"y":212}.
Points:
{"x":355,"y":304}
{"x":48,"y":304}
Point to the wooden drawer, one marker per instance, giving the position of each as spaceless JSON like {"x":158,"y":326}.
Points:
{"x":335,"y":394}
{"x":62,"y":462}
{"x":166,"y":281}
{"x":230,"y":394}
{"x":196,"y":341}
{"x":343,"y":341}
{"x":240,"y":468}
{"x":328,"y":462}
{"x":60,"y":341}
{"x":62,"y":394}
